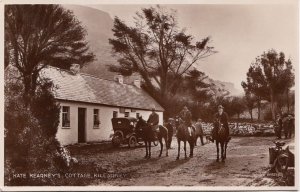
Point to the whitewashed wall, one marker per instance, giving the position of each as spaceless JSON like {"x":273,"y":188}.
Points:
{"x":70,"y":135}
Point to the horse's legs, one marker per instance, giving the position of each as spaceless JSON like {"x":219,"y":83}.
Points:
{"x":149,"y":145}
{"x":161,"y":145}
{"x":217,"y":144}
{"x":184,"y":147}
{"x":201,"y":138}
{"x":167,"y":141}
{"x":178,"y":149}
{"x":191,"y":148}
{"x":196,"y":138}
{"x":225,"y":150}
{"x":146,"y":145}
{"x":222,"y":151}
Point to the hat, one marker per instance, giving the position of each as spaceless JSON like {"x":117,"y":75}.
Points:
{"x":220,"y":107}
{"x":153,"y":107}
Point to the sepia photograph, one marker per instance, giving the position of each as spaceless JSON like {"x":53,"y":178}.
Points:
{"x":150,"y":95}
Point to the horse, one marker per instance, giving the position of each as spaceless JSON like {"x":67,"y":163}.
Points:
{"x":147,"y":134}
{"x":185,"y":134}
{"x":221,"y":138}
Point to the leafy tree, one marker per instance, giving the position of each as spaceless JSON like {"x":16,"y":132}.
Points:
{"x":250,"y":100}
{"x":269,"y":76}
{"x":196,"y":85}
{"x":238,"y":105}
{"x":157,"y":49}
{"x":40,"y":35}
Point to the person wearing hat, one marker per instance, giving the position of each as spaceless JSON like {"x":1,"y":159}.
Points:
{"x":278,"y":126}
{"x":153,"y":121}
{"x":221,"y":117}
{"x":186,"y":116}
{"x":290,"y":126}
{"x":199,"y":131}
{"x":169,"y":126}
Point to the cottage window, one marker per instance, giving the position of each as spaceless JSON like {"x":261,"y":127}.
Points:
{"x":126,"y":114}
{"x":96,"y":118}
{"x":115,"y":114}
{"x":65,"y":116}
{"x":137,"y":115}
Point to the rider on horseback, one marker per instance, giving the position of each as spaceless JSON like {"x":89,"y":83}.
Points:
{"x":186,"y":116}
{"x":153,"y":121}
{"x":220,"y":117}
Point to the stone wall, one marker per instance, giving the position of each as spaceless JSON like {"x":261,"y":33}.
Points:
{"x":245,"y":129}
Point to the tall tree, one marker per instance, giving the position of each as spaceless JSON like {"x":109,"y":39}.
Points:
{"x":196,"y":85}
{"x":250,"y":99}
{"x":40,"y":35}
{"x":269,"y":76}
{"x":157,"y":49}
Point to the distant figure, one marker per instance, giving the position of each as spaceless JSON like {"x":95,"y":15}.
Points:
{"x":169,"y":126}
{"x":289,"y":126}
{"x":153,"y":121}
{"x":199,"y":131}
{"x":278,"y":126}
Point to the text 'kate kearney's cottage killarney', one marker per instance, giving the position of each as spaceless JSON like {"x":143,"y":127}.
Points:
{"x":89,"y":103}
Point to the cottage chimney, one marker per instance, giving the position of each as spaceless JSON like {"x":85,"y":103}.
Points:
{"x":137,"y":83}
{"x":75,"y":68}
{"x":119,"y":79}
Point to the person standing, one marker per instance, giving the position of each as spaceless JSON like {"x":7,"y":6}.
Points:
{"x":290,"y":126}
{"x":169,"y":126}
{"x":199,"y":131}
{"x":278,"y":126}
{"x":221,"y":117}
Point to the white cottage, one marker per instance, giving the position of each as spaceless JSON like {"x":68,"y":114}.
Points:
{"x":88,"y":104}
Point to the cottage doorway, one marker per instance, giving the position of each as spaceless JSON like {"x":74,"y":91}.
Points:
{"x":81,"y":125}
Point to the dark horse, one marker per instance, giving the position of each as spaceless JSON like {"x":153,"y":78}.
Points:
{"x":147,"y":134}
{"x":185,"y":134}
{"x":221,"y":138}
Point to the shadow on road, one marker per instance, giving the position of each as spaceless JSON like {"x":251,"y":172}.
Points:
{"x":172,"y":165}
{"x":214,"y":166}
{"x":141,"y":161}
{"x":100,"y":148}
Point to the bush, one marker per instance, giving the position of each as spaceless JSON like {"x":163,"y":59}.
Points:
{"x":30,"y":131}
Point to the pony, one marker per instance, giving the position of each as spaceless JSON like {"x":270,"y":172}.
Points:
{"x":185,"y":134}
{"x":221,"y":138}
{"x":147,"y":134}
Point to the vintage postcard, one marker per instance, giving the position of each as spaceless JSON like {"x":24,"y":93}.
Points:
{"x":149,"y":95}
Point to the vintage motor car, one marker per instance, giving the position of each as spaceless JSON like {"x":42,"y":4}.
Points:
{"x":124,"y":131}
{"x":282,"y":159}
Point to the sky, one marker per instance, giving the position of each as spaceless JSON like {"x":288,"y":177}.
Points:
{"x":239,"y":33}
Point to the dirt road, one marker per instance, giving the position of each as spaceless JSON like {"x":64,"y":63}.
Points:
{"x":246,"y":165}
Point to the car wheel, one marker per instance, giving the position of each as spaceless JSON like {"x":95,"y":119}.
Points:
{"x":116,"y":140}
{"x":281,"y":164}
{"x":132,"y":142}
